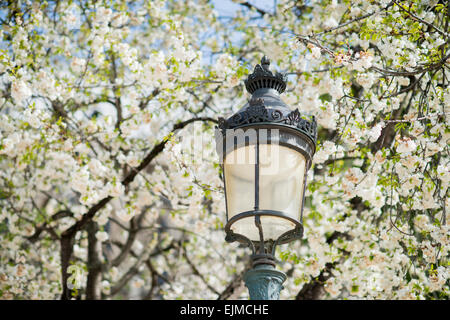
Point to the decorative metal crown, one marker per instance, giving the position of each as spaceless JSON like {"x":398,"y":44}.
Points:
{"x":262,"y":77}
{"x":266,"y":107}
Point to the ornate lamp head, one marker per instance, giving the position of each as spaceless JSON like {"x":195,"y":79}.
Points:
{"x":266,"y":149}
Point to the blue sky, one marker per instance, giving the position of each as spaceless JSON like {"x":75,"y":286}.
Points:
{"x":228,"y":8}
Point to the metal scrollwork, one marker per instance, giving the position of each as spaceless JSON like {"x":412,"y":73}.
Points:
{"x":232,"y":237}
{"x":277,"y":115}
{"x":257,"y":113}
{"x":296,"y":233}
{"x":294,"y":117}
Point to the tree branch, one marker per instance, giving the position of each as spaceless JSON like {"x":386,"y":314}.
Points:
{"x":414,"y":17}
{"x":197,"y":273}
{"x":132,"y":233}
{"x":235,"y":287}
{"x":354,"y":20}
{"x":251,"y":6}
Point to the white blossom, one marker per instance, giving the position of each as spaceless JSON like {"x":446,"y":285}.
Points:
{"x":375,"y":132}
{"x":315,"y":52}
{"x":78,"y":64}
{"x":20,"y":91}
{"x":102,"y":236}
{"x":406,"y":145}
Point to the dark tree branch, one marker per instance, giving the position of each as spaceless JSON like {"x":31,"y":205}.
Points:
{"x":315,"y":289}
{"x":235,"y":286}
{"x":117,"y":102}
{"x":354,"y":20}
{"x":132,"y":233}
{"x":251,"y":6}
{"x":144,"y":257}
{"x":44,"y":227}
{"x":416,"y":18}
{"x":197,"y":273}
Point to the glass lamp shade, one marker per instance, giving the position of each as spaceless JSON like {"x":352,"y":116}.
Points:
{"x":268,"y":180}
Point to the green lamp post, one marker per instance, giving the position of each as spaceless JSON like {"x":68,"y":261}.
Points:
{"x":265,"y":150}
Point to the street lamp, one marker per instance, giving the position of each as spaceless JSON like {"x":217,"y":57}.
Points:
{"x":265,"y":150}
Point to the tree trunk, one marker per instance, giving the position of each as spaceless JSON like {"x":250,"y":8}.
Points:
{"x":93,"y":286}
{"x":66,"y":254}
